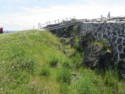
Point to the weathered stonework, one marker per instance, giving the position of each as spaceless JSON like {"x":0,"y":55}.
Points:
{"x":113,"y":32}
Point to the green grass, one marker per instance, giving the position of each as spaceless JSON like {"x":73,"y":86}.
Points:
{"x":45,"y":71}
{"x":64,"y":75}
{"x":25,"y":56}
{"x":34,"y":62}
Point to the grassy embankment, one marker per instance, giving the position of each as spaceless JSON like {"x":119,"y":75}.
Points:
{"x":33,"y":62}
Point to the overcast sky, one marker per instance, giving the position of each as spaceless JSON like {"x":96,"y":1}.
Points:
{"x":24,"y":14}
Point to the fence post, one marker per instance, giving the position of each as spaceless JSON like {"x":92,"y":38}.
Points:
{"x":55,"y":21}
{"x":74,"y":17}
{"x":39,"y":25}
{"x":49,"y":23}
{"x":62,"y":20}
{"x":70,"y":18}
{"x":58,"y":20}
{"x":33,"y":27}
{"x":46,"y":23}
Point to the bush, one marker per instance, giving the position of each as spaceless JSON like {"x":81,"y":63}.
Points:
{"x":64,"y":76}
{"x":45,"y":71}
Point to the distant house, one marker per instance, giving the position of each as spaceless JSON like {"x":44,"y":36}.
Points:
{"x":1,"y":29}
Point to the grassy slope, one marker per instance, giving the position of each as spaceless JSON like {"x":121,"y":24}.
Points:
{"x":33,"y":62}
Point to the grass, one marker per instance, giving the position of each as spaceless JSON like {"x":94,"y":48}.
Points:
{"x":64,"y":75}
{"x":53,"y":62}
{"x":34,"y":62}
{"x":45,"y":71}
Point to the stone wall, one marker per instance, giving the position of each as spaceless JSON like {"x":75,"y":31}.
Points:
{"x":109,"y":34}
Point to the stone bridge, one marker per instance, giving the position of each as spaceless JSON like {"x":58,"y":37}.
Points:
{"x":113,"y":30}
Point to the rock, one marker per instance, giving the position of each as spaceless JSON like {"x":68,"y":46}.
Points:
{"x":96,"y":57}
{"x":91,"y":56}
{"x":105,"y":60}
{"x":63,"y":40}
{"x":101,"y":58}
{"x":74,"y":76}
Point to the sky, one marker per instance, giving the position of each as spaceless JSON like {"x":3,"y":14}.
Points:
{"x":26,"y":14}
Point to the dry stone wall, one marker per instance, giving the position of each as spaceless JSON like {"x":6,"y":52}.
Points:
{"x":113,"y":32}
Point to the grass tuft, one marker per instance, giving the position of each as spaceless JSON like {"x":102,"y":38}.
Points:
{"x":45,"y":71}
{"x":64,"y":75}
{"x":53,"y":62}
